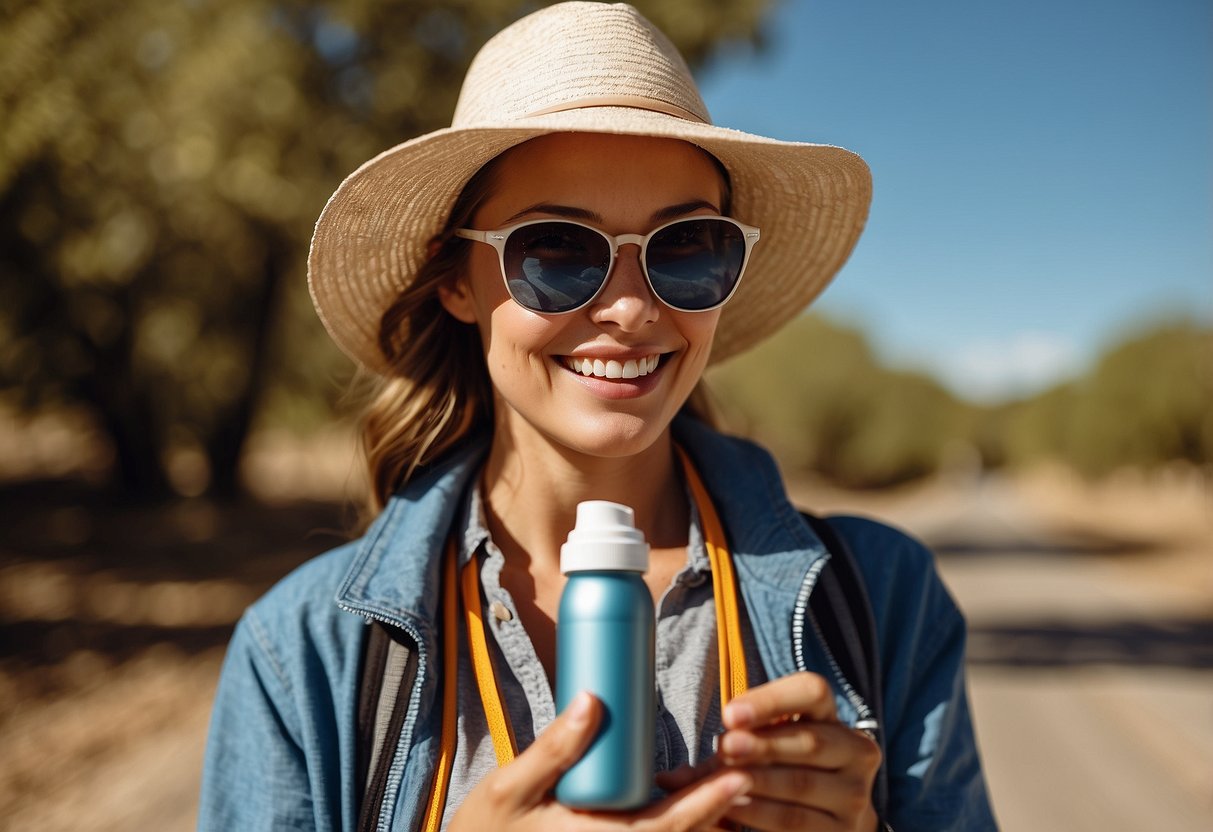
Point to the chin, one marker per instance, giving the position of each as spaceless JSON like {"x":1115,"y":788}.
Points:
{"x":613,"y":436}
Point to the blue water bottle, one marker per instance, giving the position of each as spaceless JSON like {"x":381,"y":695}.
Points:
{"x":604,"y":644}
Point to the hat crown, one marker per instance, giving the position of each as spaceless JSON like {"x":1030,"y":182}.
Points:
{"x":577,"y":54}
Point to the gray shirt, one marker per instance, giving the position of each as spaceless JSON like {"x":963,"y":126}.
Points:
{"x":688,"y":681}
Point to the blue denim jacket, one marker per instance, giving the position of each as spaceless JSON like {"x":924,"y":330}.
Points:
{"x":281,"y":749}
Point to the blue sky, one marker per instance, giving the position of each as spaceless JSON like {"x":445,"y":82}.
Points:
{"x":1043,"y":170}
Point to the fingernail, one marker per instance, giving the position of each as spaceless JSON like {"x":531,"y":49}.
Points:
{"x":579,"y":710}
{"x":737,"y":745}
{"x":742,"y":800}
{"x":738,"y":715}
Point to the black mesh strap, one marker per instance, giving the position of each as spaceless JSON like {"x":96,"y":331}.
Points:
{"x":389,"y":669}
{"x":840,"y":605}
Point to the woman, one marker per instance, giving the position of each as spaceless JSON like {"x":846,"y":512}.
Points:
{"x":541,"y":287}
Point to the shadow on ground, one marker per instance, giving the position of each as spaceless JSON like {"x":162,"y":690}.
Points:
{"x":92,"y":530}
{"x":1059,"y":641}
{"x":84,"y":573}
{"x":1172,"y":642}
{"x":1063,"y":543}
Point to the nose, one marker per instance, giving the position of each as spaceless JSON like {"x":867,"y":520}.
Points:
{"x":626,"y":300}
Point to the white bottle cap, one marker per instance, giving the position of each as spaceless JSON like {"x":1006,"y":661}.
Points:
{"x":605,"y":537}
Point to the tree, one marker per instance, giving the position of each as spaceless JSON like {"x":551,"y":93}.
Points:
{"x":1148,"y":401}
{"x":820,"y":400}
{"x":161,"y":167}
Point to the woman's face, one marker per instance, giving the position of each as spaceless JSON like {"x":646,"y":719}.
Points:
{"x":620,"y":184}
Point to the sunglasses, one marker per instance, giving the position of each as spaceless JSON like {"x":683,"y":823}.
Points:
{"x":557,"y":266}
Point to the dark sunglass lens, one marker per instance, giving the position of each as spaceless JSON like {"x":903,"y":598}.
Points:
{"x":555,"y":266}
{"x":694,"y":264}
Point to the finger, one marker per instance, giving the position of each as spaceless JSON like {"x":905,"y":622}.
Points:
{"x":777,"y":816}
{"x":842,"y":795}
{"x":683,"y":776}
{"x":526,"y":781}
{"x":699,"y":805}
{"x":820,"y":745}
{"x":801,"y":694}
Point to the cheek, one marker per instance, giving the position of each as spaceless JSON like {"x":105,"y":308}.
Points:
{"x":514,"y":333}
{"x":511,"y":336}
{"x":481,"y":283}
{"x":489,"y":301}
{"x":699,"y":330}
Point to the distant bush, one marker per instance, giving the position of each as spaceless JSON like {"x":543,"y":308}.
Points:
{"x":817,"y":397}
{"x":1148,"y":401}
{"x":820,"y":400}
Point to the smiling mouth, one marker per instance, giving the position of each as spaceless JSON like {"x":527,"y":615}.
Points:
{"x":598,"y":368}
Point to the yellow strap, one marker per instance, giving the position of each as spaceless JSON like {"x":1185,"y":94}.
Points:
{"x":494,"y":713}
{"x":450,"y":682}
{"x":733,"y":681}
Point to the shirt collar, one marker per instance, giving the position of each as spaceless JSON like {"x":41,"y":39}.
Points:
{"x":395,"y":572}
{"x":476,"y":535}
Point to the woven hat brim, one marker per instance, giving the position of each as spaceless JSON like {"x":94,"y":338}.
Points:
{"x":810,"y":201}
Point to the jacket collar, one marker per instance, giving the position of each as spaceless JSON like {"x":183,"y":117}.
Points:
{"x":394,"y":576}
{"x":395,"y":573}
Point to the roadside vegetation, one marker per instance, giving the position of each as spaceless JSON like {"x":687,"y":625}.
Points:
{"x":820,"y":399}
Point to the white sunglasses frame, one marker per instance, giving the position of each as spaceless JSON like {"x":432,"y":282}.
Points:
{"x":497,"y":238}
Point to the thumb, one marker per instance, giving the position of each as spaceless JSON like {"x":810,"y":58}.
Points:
{"x":533,"y":774}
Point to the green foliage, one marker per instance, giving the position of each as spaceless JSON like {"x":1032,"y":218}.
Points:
{"x":1148,"y":401}
{"x":161,"y":165}
{"x":817,"y":397}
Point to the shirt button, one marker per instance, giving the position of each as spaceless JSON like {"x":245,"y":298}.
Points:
{"x":500,"y":611}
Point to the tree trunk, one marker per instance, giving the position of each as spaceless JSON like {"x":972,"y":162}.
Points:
{"x":126,"y":410}
{"x":225,"y":444}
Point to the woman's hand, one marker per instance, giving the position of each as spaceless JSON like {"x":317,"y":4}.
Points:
{"x":809,"y":770}
{"x":517,"y":796}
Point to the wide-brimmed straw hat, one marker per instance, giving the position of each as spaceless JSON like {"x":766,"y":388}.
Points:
{"x":583,"y":67}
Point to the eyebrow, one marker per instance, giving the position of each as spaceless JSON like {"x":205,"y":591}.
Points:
{"x":673,"y":211}
{"x":573,"y":213}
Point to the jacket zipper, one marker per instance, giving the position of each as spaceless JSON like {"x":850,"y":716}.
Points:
{"x":865,"y":719}
{"x":396,"y":770}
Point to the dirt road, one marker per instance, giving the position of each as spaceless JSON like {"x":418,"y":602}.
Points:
{"x":1090,"y":616}
{"x":1092,"y":680}
{"x":1091,"y":655}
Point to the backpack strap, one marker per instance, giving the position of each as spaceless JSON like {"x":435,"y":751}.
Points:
{"x":840,"y":605}
{"x":389,"y":668}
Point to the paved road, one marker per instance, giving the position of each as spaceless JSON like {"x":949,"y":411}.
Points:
{"x":1092,"y":688}
{"x":1106,"y":750}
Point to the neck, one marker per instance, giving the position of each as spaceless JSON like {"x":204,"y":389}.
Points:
{"x":532,"y":490}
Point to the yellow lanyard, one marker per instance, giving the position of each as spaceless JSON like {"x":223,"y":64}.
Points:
{"x":728,"y":637}
{"x":724,"y":588}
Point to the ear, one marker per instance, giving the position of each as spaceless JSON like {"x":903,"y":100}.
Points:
{"x":456,"y":298}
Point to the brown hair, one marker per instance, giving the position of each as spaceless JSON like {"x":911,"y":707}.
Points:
{"x":439,"y":391}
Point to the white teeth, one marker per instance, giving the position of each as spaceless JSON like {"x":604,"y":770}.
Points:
{"x":631,"y":368}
